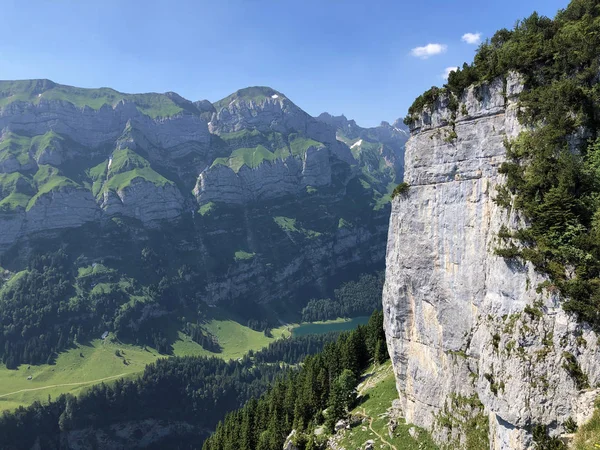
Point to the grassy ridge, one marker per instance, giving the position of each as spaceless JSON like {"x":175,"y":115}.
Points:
{"x":152,"y":104}
{"x":48,"y":179}
{"x":251,"y":157}
{"x":23,"y":190}
{"x":255,"y":147}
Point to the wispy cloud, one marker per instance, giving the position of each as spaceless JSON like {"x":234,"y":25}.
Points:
{"x":446,"y":73}
{"x":428,"y":50}
{"x":471,"y":38}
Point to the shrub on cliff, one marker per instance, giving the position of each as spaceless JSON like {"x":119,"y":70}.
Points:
{"x":400,"y":189}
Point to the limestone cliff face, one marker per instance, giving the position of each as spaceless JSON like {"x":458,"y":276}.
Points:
{"x":95,"y":127}
{"x":462,"y":323}
{"x":289,"y":176}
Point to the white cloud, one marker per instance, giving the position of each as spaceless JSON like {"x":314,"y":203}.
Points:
{"x":447,"y":72}
{"x":471,"y":38}
{"x":428,"y":50}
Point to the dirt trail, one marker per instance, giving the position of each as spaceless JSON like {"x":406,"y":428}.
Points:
{"x":65,"y":384}
{"x":376,"y":433}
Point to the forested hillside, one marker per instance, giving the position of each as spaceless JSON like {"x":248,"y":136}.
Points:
{"x":82,"y":303}
{"x":327,"y":381}
{"x":352,"y":299}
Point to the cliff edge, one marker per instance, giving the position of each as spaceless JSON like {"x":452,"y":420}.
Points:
{"x":474,"y":345}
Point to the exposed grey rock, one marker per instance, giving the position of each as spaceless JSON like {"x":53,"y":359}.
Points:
{"x":453,"y":310}
{"x":63,"y":208}
{"x":58,"y":209}
{"x":391,"y":137}
{"x":145,"y":201}
{"x":93,"y":128}
{"x":318,"y":258}
{"x":341,"y":425}
{"x":269,"y":180}
{"x":289,"y":441}
{"x":273,"y":113}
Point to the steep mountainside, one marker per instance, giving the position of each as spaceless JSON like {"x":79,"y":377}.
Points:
{"x":249,"y":201}
{"x":476,"y":339}
{"x":368,"y":145}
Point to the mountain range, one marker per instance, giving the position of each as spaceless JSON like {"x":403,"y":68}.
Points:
{"x":248,"y":203}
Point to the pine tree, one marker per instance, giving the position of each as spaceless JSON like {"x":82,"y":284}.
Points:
{"x":336,"y":409}
{"x":381,"y":354}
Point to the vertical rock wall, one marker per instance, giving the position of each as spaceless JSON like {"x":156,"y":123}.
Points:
{"x":466,"y":329}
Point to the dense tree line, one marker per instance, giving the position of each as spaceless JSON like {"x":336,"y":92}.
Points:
{"x":36,"y":317}
{"x":320,"y":393}
{"x":293,"y":350}
{"x":195,"y":390}
{"x":351,"y":299}
{"x":553,"y":167}
{"x":205,"y":338}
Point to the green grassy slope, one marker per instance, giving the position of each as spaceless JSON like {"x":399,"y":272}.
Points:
{"x":376,"y":394}
{"x":48,"y":179}
{"x":24,"y":188}
{"x":252,"y":148}
{"x":90,"y":363}
{"x":588,"y":435}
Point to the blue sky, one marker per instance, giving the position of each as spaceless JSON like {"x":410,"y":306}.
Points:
{"x":341,"y":56}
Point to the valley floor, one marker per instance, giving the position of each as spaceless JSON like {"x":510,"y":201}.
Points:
{"x":97,"y":361}
{"x":87,"y":364}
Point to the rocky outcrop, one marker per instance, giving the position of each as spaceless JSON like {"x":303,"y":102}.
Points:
{"x":349,"y":128}
{"x":183,"y":177}
{"x":289,"y":443}
{"x":145,"y":201}
{"x":96,"y":127}
{"x":269,"y":180}
{"x":56,"y":210}
{"x":306,"y":262}
{"x":391,"y":139}
{"x":463,"y":325}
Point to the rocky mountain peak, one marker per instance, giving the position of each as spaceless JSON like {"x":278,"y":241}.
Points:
{"x":266,"y":110}
{"x":250,"y":96}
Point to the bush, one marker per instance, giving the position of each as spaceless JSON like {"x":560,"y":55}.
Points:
{"x":572,"y":366}
{"x":402,"y":188}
